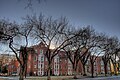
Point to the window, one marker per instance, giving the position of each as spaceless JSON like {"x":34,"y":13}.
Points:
{"x":36,"y":50}
{"x":57,"y":59}
{"x":57,"y":66}
{"x":102,"y":63}
{"x":35,"y":58}
{"x":41,"y":66}
{"x":41,"y":51}
{"x":34,"y":66}
{"x":42,"y":58}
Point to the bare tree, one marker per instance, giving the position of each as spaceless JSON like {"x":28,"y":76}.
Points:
{"x":81,"y":46}
{"x":95,"y":51}
{"x":52,"y":33}
{"x":73,"y":52}
{"x":13,"y":34}
{"x":29,"y":3}
{"x":115,"y":51}
{"x":87,"y":41}
{"x":108,"y":46}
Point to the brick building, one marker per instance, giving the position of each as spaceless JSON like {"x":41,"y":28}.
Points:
{"x":98,"y":66}
{"x":37,"y":63}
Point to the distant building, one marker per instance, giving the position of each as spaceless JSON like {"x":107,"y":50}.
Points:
{"x":5,"y":60}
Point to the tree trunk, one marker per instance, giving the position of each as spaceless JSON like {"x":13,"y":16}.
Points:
{"x":49,"y":69}
{"x":105,"y":69}
{"x":115,"y":68}
{"x":21,"y":76}
{"x":74,"y":73}
{"x":21,"y":73}
{"x":92,"y":70}
{"x":26,"y":70}
{"x":84,"y":72}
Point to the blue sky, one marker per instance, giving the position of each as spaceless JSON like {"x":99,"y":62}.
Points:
{"x":103,"y":15}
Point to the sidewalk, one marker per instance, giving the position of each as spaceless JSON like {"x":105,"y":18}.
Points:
{"x":52,"y":77}
{"x":63,"y":78}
